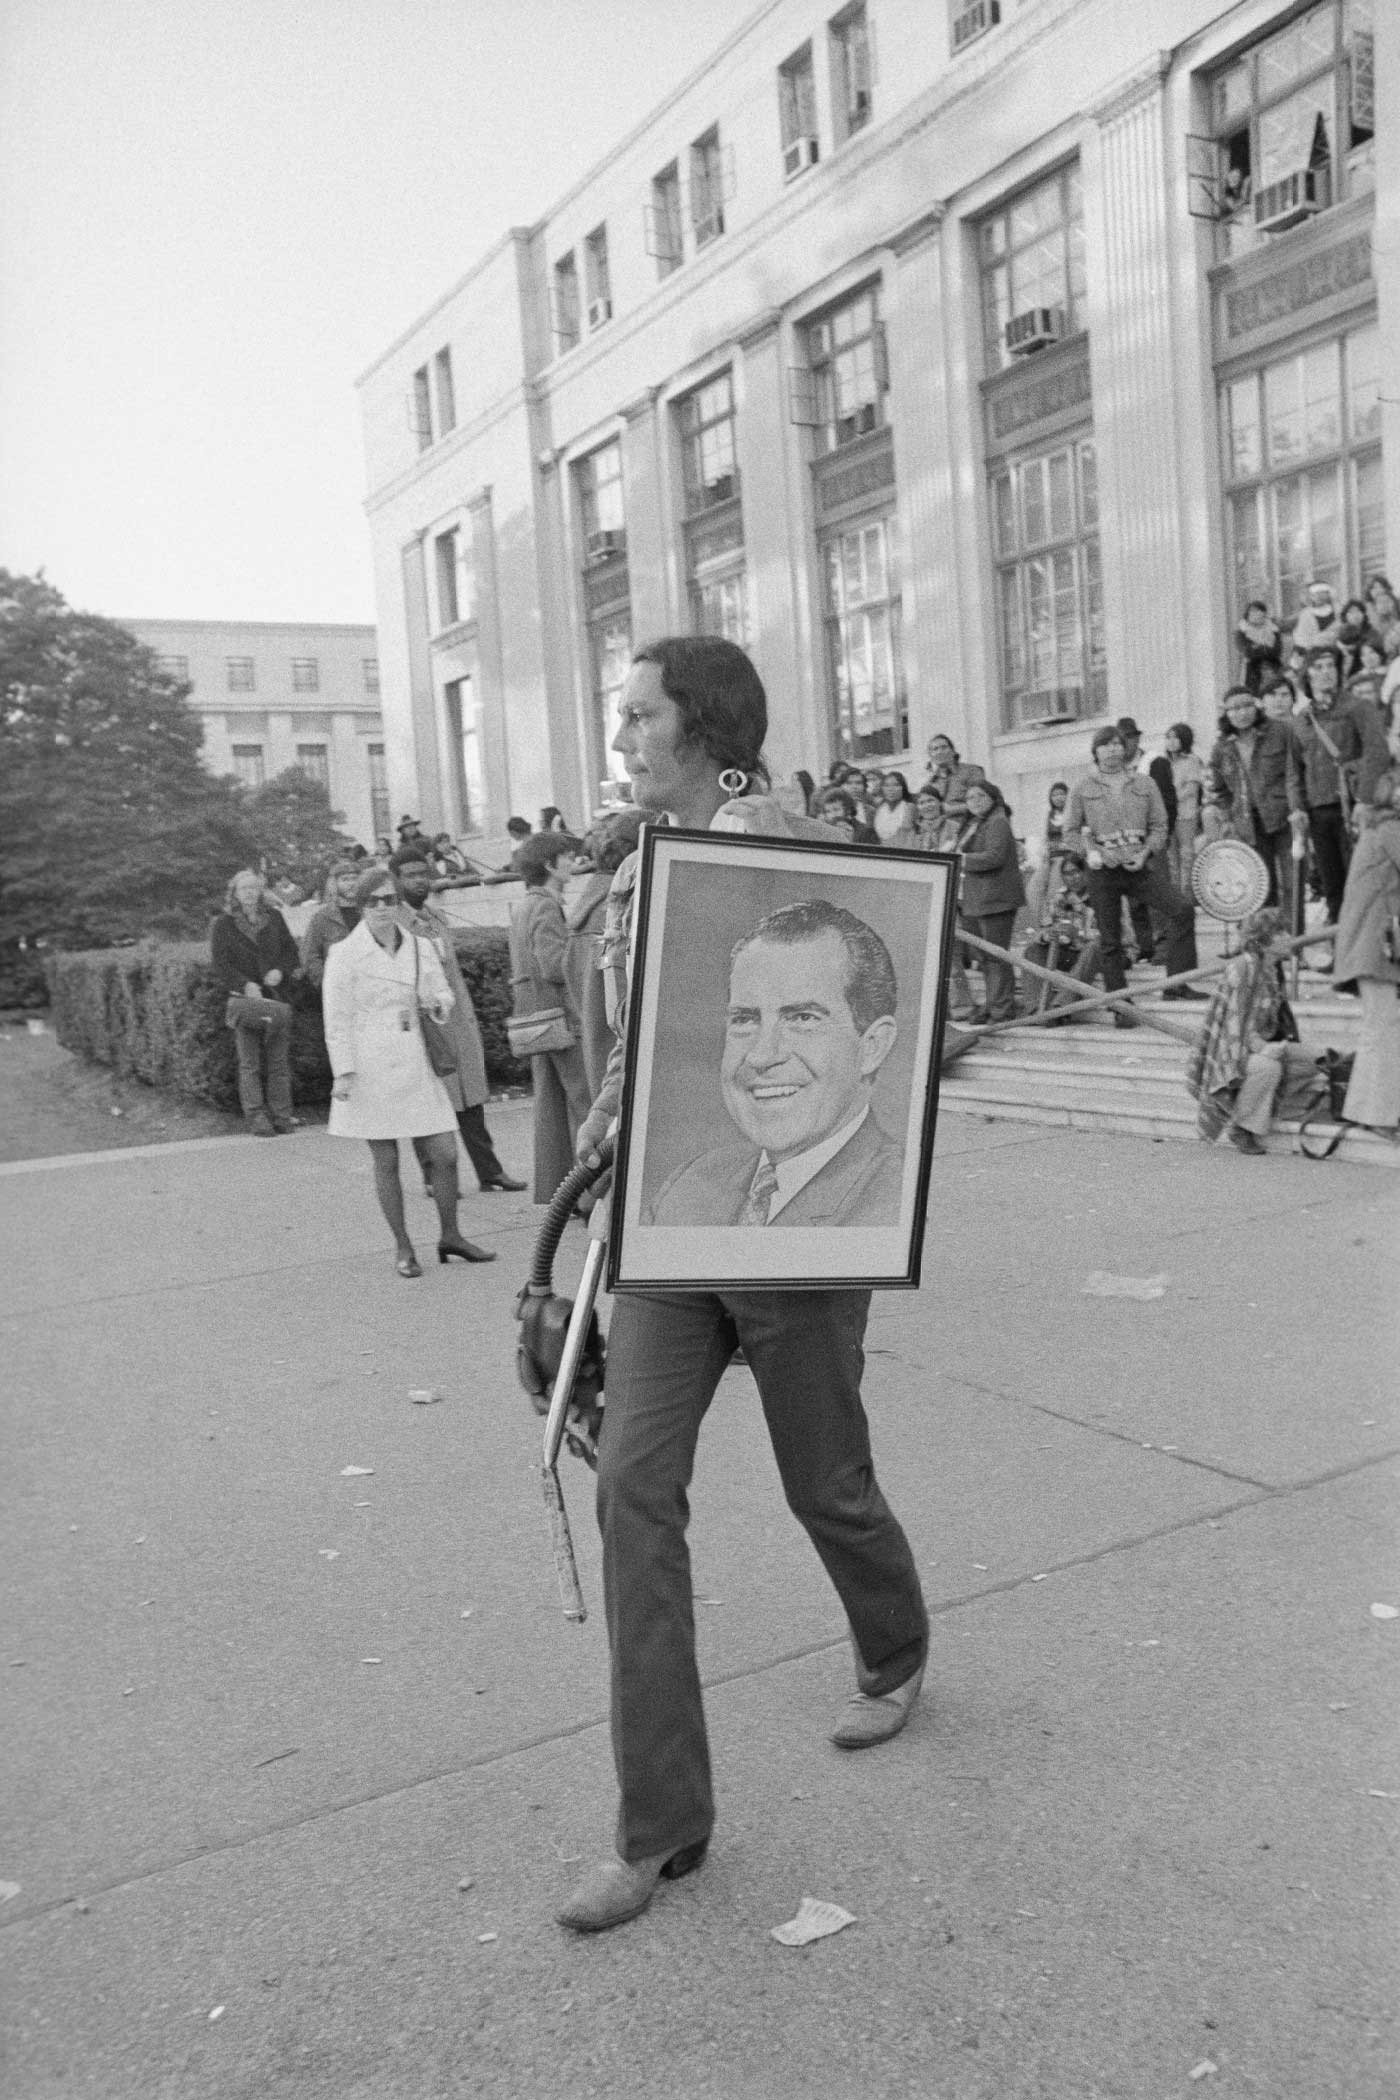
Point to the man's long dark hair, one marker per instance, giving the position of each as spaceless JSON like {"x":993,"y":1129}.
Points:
{"x":720,"y":695}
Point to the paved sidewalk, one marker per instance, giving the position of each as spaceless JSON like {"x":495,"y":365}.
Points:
{"x":265,"y":1716}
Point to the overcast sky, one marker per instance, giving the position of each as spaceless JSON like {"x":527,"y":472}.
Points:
{"x":215,"y":213}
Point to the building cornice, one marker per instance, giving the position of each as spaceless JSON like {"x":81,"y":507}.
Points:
{"x":918,"y":232}
{"x":640,"y":406}
{"x":758,"y":330}
{"x":1135,"y":87}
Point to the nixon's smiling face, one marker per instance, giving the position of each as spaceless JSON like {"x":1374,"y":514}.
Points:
{"x":796,"y":1066}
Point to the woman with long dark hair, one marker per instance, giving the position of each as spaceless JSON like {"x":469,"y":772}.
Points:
{"x":993,"y":891}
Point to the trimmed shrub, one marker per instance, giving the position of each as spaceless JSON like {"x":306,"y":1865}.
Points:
{"x":154,"y":1013}
{"x":483,"y":955}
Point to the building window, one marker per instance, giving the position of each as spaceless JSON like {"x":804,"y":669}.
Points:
{"x":1032,"y":254}
{"x":378,"y":791}
{"x":706,"y":420}
{"x":797,"y":112}
{"x":420,"y":411}
{"x":449,"y":564}
{"x":665,"y":236}
{"x":174,"y":667}
{"x":314,"y":760}
{"x":566,"y":310}
{"x":370,"y":666}
{"x":610,"y":652}
{"x":849,"y":374}
{"x":708,"y":189}
{"x":863,"y":641}
{"x":248,"y":764}
{"x":464,"y":744}
{"x":969,"y":19}
{"x":599,"y":481}
{"x":306,"y":674}
{"x":1293,"y":123}
{"x":240,"y":674}
{"x":596,"y":282}
{"x":851,"y":71}
{"x":1049,"y":592}
{"x":721,"y":606}
{"x":1301,"y":444}
{"x":446,"y":396}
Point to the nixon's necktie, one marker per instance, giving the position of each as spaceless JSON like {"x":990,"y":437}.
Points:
{"x":760,"y":1196}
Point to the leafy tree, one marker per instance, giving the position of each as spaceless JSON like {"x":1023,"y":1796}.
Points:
{"x":110,"y":827}
{"x":294,"y":827}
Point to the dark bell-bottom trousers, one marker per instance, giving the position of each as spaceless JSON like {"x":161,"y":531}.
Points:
{"x":271,"y":1035}
{"x":1107,"y":889}
{"x":666,"y":1352}
{"x":477,"y":1139}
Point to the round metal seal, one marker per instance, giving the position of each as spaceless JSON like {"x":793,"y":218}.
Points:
{"x":1230,"y":880}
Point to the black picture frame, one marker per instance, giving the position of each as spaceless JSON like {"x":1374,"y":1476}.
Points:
{"x":845,"y":1116}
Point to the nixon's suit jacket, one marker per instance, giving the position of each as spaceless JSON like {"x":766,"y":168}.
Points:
{"x":859,"y":1185}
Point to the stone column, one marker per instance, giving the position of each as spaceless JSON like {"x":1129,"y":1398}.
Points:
{"x":785,"y":627}
{"x":643,"y":486}
{"x":423,"y":796}
{"x":495,"y":758}
{"x":1385,"y":261}
{"x":1132,"y":315}
{"x":943,"y":676}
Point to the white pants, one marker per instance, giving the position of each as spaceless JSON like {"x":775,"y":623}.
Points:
{"x":1280,"y":1080}
{"x":1373,"y":1095}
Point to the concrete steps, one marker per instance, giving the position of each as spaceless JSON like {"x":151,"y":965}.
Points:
{"x":1089,"y":1075}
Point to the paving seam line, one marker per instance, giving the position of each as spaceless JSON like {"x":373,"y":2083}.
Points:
{"x":505,"y":1753}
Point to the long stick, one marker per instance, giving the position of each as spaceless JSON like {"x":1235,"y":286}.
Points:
{"x":565,"y":1565}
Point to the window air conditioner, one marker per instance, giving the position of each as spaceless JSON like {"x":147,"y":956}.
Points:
{"x":1044,"y":710}
{"x":709,"y":228}
{"x":1034,"y":329}
{"x":799,"y":156}
{"x":974,"y":21}
{"x":602,"y":546}
{"x":1299,"y":196}
{"x":599,"y":310}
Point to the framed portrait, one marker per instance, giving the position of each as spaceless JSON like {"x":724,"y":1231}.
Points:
{"x":785,"y":1030}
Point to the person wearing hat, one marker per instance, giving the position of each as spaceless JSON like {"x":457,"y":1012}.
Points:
{"x":1319,"y":623}
{"x":1117,"y":821}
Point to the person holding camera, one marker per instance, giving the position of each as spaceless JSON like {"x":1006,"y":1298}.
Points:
{"x":1117,"y":822}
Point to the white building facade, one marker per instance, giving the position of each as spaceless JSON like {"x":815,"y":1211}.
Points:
{"x":972,"y":364}
{"x":273,"y":696}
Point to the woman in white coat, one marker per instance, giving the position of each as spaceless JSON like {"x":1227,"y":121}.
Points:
{"x":378,"y":981}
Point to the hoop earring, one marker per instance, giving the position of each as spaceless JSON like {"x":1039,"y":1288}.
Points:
{"x":734,"y":782}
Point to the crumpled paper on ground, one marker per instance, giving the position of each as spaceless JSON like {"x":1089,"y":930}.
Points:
{"x":815,"y":1920}
{"x":1099,"y":1284}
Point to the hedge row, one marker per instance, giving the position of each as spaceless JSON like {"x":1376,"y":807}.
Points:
{"x":154,"y":1013}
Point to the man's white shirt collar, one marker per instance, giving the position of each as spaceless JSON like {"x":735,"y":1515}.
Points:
{"x":795,"y":1172}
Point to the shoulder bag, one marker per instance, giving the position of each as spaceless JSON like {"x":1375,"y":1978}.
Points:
{"x":535,"y":1035}
{"x":442,"y":1054}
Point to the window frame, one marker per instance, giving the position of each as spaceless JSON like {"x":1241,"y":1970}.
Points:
{"x":566,"y":311}
{"x":797,"y":107}
{"x":708,"y":189}
{"x":665,"y":220}
{"x":1078,"y":541}
{"x":693,"y":425}
{"x":1067,"y":178}
{"x":1349,"y":162}
{"x":306,"y":674}
{"x":1355,"y":450}
{"x":825,"y":359}
{"x":594,"y":493}
{"x":850,"y":43}
{"x":444,"y":391}
{"x":250,"y":765}
{"x":597,"y":279}
{"x":843,"y":622}
{"x":241,"y":674}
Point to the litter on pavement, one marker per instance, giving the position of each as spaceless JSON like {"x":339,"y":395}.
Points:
{"x":1099,"y":1284}
{"x":815,"y":1920}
